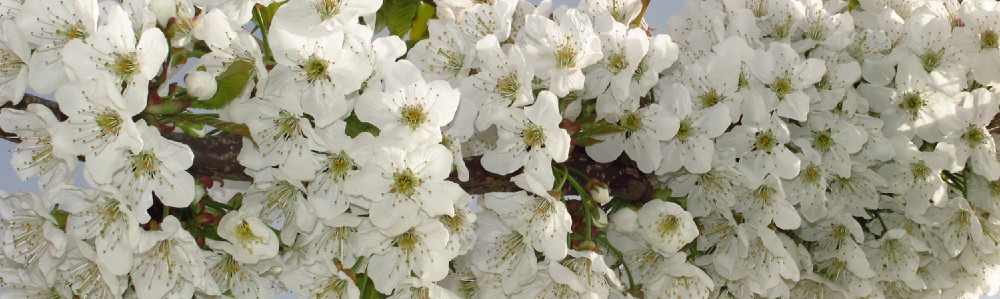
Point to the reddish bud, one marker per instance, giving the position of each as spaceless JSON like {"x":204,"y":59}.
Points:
{"x":207,"y":181}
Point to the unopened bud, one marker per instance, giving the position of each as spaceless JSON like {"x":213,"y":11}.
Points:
{"x":601,"y":220}
{"x":200,"y":85}
{"x":625,"y":220}
{"x":600,"y":194}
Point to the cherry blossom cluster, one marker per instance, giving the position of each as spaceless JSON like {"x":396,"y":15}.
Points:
{"x":798,"y":148}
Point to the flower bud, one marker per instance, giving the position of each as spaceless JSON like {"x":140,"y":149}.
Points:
{"x":163,"y":10}
{"x":600,"y":194}
{"x":200,"y":85}
{"x":625,"y":220}
{"x":601,"y":220}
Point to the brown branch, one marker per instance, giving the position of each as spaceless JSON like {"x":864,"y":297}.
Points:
{"x":216,"y":156}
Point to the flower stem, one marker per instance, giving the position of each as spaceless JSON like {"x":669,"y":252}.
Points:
{"x":603,"y":237}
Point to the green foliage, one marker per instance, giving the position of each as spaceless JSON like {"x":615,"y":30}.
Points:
{"x":191,"y":119}
{"x":230,"y":83}
{"x":589,"y":130}
{"x":355,"y":126}
{"x":397,"y":15}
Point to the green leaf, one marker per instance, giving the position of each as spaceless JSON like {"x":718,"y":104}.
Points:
{"x":355,"y":126}
{"x":262,"y":15}
{"x":211,"y":120}
{"x":592,"y":129}
{"x":230,"y":83}
{"x":367,"y":287}
{"x":398,"y":15}
{"x":424,"y":14}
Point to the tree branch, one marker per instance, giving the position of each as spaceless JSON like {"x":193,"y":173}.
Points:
{"x":216,"y":156}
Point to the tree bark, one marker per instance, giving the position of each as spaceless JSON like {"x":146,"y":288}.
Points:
{"x":216,"y":157}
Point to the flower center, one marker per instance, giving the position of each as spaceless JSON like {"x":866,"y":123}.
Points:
{"x":340,"y":164}
{"x":109,"y":122}
{"x":334,"y":287}
{"x":245,"y":236}
{"x":407,"y":242}
{"x":931,"y":59}
{"x":765,"y":141}
{"x":812,"y":174}
{"x":328,"y":8}
{"x":763,"y":193}
{"x":405,"y":182}
{"x":684,"y":131}
{"x":125,"y":65}
{"x":822,"y":141}
{"x":565,"y":55}
{"x":631,"y":121}
{"x":73,"y":31}
{"x":507,"y":86}
{"x":920,"y":170}
{"x":533,"y":135}
{"x":668,"y":225}
{"x":412,"y":115}
{"x":145,"y":163}
{"x":994,"y":187}
{"x":454,"y":60}
{"x":287,"y":124}
{"x":782,"y":87}
{"x":617,"y":63}
{"x":454,"y":224}
{"x":974,"y":136}
{"x":989,"y":39}
{"x":640,"y":71}
{"x":912,"y":102}
{"x":315,"y":68}
{"x":710,"y":98}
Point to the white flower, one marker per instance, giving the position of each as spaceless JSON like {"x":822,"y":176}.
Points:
{"x":661,"y":55}
{"x":115,"y":51}
{"x":787,"y":75}
{"x":320,"y":279}
{"x":333,"y":238}
{"x":856,"y":193}
{"x":418,"y":251}
{"x":666,"y":226}
{"x":446,"y":55}
{"x":319,"y":17}
{"x":692,"y":146}
{"x":239,"y":11}
{"x":484,"y":19}
{"x":643,"y":131}
{"x":503,"y":80}
{"x":36,"y":155}
{"x":285,"y":205}
{"x":342,"y":158}
{"x":961,"y":229}
{"x":622,"y":11}
{"x":322,"y":68}
{"x":250,"y":239}
{"x":88,"y":276}
{"x":770,"y":261}
{"x":916,"y":177}
{"x":835,"y":139}
{"x":728,"y":241}
{"x":979,"y":40}
{"x":240,"y":279}
{"x":894,"y":258}
{"x":591,"y":270}
{"x":530,"y":138}
{"x":102,"y":215}
{"x":416,"y":289}
{"x":966,"y":136}
{"x":160,"y":167}
{"x":169,"y":263}
{"x":916,"y":107}
{"x":676,"y":278}
{"x":282,"y":134}
{"x":929,"y":42}
{"x":503,"y":251}
{"x":762,"y":150}
{"x":710,"y":191}
{"x":49,"y":25}
{"x":30,"y":235}
{"x":409,"y":102}
{"x":765,"y":203}
{"x":623,"y":50}
{"x":461,"y":227}
{"x":542,"y":220}
{"x":402,"y":179}
{"x":561,"y":49}
{"x":99,"y":123}
{"x":839,"y":237}
{"x":200,"y":85}
{"x":808,"y":189}
{"x":14,"y":56}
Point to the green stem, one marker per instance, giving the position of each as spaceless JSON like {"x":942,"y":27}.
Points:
{"x":604,"y":239}
{"x":258,"y":18}
{"x":585,"y":202}
{"x":882,"y":222}
{"x":218,"y":205}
